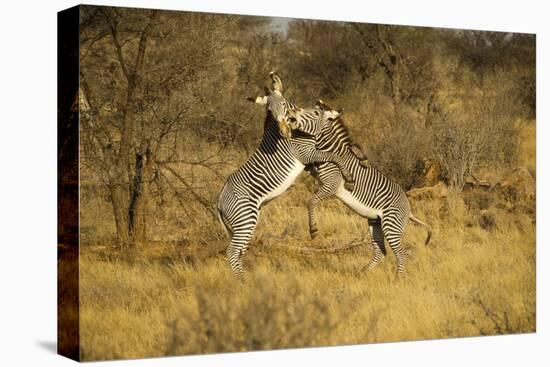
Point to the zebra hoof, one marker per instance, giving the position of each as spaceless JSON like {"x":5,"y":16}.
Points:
{"x":349,"y":185}
{"x":313,"y":233}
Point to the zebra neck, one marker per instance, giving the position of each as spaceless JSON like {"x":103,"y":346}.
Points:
{"x":272,"y":138}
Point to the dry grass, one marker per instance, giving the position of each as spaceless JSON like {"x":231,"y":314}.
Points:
{"x":159,"y":300}
{"x":527,"y":150}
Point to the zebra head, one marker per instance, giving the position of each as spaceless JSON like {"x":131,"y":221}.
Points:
{"x":276,"y":104}
{"x":312,"y":121}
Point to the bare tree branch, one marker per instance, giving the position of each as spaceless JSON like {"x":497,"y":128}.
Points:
{"x":205,"y":203}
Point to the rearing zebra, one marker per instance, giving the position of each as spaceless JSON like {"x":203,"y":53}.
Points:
{"x":375,"y":196}
{"x":265,"y":175}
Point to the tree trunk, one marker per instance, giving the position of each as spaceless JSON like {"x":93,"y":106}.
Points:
{"x":396,"y":98}
{"x":392,"y":67}
{"x":119,"y":201}
{"x":138,"y":198}
{"x":388,"y":58}
{"x":128,"y":187}
{"x":129,"y":201}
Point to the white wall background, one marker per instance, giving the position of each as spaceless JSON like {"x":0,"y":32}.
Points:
{"x":28,"y":181}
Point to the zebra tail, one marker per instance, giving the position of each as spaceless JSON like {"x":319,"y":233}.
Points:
{"x":418,"y":221}
{"x":219,"y":209}
{"x":224,"y":223}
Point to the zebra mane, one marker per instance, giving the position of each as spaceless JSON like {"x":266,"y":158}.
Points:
{"x":335,"y":137}
{"x":338,"y":125}
{"x":270,"y":123}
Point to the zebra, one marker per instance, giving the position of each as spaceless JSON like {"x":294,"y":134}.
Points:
{"x":266,"y":174}
{"x":375,"y":197}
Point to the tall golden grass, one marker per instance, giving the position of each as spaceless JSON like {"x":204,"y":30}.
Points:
{"x":477,"y":277}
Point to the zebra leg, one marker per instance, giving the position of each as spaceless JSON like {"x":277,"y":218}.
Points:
{"x":242,"y":233}
{"x":236,"y":250}
{"x":319,"y":156}
{"x":377,"y":236}
{"x":311,"y":204}
{"x":324,"y":192}
{"x":393,"y":231}
{"x":234,"y":257}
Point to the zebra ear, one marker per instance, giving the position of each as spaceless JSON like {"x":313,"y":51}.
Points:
{"x":340,"y":110}
{"x":292,"y":113}
{"x":322,"y":105}
{"x":277,"y":82}
{"x":331,"y":115}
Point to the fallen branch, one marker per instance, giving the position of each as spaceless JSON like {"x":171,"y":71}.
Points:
{"x":268,"y":236}
{"x":323,"y":250}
